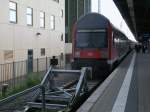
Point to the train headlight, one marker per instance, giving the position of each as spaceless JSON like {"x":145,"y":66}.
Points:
{"x":77,"y":54}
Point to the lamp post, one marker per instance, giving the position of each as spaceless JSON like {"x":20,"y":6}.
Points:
{"x":84,"y":7}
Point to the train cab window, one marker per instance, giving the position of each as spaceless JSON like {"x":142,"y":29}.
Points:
{"x":91,"y":39}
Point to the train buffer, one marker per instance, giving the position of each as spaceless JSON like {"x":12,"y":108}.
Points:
{"x":57,"y":98}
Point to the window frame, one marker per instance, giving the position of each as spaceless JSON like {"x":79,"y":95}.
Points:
{"x":56,"y":1}
{"x":42,"y":18}
{"x":62,"y":37}
{"x":27,"y":14}
{"x":14,"y":10}
{"x":43,"y":51}
{"x":95,"y":31}
{"x":52,"y":22}
{"x":62,"y":13}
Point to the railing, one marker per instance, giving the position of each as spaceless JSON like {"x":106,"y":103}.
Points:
{"x":82,"y":86}
{"x":80,"y":89}
{"x":47,"y":78}
{"x":15,"y":101}
{"x":15,"y":73}
{"x":70,"y":92}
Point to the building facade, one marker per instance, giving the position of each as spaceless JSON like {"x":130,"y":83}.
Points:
{"x":74,"y":9}
{"x":31,"y":29}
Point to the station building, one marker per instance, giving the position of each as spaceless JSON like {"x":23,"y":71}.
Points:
{"x":31,"y":29}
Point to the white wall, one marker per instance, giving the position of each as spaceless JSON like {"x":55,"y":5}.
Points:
{"x":20,"y":37}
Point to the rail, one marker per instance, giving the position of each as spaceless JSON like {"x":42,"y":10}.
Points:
{"x":81,"y":87}
{"x":10,"y":103}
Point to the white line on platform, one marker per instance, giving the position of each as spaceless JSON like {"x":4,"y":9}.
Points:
{"x":120,"y":103}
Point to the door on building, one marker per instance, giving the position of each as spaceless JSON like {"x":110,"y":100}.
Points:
{"x":30,"y":60}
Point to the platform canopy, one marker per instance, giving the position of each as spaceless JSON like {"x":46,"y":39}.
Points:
{"x":137,"y":15}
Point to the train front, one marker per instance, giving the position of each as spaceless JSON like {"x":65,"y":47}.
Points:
{"x":90,"y":42}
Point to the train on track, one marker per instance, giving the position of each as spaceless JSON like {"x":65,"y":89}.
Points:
{"x":97,"y":43}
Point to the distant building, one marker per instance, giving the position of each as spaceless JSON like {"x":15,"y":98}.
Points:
{"x":31,"y":28}
{"x":74,"y":9}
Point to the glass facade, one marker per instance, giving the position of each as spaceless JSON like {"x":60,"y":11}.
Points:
{"x":74,"y":9}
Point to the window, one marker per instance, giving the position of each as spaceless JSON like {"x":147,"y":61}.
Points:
{"x":52,"y":22}
{"x":42,"y":51}
{"x":91,"y":39}
{"x":66,"y":38}
{"x":62,"y":13}
{"x":13,"y":12}
{"x":42,"y":19}
{"x":29,"y":15}
{"x":62,"y":38}
{"x":56,"y":1}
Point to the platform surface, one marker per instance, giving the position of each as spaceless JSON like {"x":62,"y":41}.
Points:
{"x":127,"y":89}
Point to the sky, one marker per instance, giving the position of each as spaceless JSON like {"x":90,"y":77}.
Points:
{"x":109,"y":9}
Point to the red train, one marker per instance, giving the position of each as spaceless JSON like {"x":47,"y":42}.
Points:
{"x":96,"y":43}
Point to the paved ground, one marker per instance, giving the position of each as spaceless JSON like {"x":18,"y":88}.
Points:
{"x":104,"y":97}
{"x":143,"y":78}
{"x":138,"y":96}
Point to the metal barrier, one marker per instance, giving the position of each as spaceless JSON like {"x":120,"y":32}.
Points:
{"x":68,"y":94}
{"x":15,"y":73}
{"x":13,"y":102}
{"x":48,"y":95}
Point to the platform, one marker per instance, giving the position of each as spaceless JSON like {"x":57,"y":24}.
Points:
{"x":125,"y":90}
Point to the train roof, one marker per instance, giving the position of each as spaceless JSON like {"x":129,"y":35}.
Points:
{"x":92,"y":20}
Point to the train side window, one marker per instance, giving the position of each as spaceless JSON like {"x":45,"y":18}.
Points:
{"x":113,"y":38}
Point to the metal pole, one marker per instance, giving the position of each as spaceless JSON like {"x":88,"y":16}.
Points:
{"x":14,"y":80}
{"x":43,"y":99}
{"x":37,"y":65}
{"x":27,"y":67}
{"x":68,"y":21}
{"x":99,"y":6}
{"x":77,"y":9}
{"x":46,"y":64}
{"x":84,"y":8}
{"x":88,"y":6}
